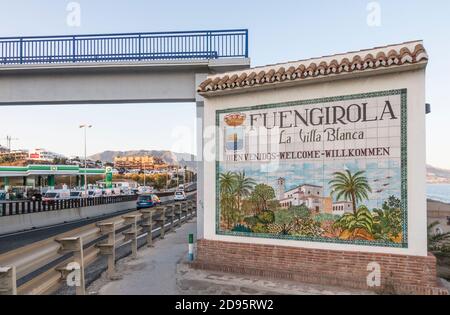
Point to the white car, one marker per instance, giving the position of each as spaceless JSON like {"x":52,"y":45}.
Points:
{"x":93,"y":193}
{"x":51,"y":196}
{"x":180,"y":196}
{"x":77,"y":194}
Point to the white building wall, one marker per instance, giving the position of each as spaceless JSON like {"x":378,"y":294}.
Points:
{"x":413,"y":81}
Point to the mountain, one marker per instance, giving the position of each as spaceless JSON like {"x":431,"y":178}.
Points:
{"x":169,"y":157}
{"x":437,"y":175}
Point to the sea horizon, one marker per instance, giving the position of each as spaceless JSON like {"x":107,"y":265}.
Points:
{"x":439,"y":192}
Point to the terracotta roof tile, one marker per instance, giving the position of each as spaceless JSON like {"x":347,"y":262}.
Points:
{"x":381,"y":57}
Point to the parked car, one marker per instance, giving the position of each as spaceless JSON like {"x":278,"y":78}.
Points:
{"x":143,"y":190}
{"x":180,"y":196}
{"x":53,"y":195}
{"x":147,"y":201}
{"x":34,"y":195}
{"x":93,"y":193}
{"x":77,"y":194}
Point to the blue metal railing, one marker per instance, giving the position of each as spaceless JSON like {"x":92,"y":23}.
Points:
{"x":201,"y":45}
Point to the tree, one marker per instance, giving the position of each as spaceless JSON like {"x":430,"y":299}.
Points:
{"x":348,"y":186}
{"x":392,"y":203}
{"x":286,"y":219}
{"x":242,"y":188}
{"x":437,"y":241}
{"x":388,"y":220}
{"x":261,"y":196}
{"x":227,"y":182}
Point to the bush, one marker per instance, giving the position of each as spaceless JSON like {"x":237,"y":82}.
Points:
{"x":251,"y":221}
{"x":260,"y":228}
{"x":322,"y":217}
{"x":301,"y":212}
{"x":266,"y":217}
{"x":241,"y":228}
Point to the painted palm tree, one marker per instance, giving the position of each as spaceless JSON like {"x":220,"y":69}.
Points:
{"x":227,"y":182}
{"x":351,"y":187}
{"x":243,"y":187}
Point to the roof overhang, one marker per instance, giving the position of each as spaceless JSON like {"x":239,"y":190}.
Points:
{"x":382,"y":60}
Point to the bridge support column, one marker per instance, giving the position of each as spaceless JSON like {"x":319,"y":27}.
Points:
{"x":109,"y":247}
{"x":178,"y":213}
{"x":132,"y":234}
{"x":8,"y":281}
{"x":75,"y":270}
{"x":147,"y":214}
{"x":200,"y":158}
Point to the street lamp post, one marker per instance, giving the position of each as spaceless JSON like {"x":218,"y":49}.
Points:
{"x":85,"y":127}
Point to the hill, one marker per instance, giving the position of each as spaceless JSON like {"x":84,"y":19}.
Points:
{"x":437,"y":175}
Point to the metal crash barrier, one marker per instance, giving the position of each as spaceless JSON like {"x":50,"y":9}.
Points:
{"x":45,"y":266}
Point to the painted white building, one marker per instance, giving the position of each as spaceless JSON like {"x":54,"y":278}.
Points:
{"x":341,"y":208}
{"x":309,"y":195}
{"x":44,"y":155}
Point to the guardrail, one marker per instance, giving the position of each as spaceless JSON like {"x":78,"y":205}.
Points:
{"x":28,"y":206}
{"x":43,"y":267}
{"x":205,"y":45}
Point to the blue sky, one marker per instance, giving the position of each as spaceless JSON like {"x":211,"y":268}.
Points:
{"x":279,"y":31}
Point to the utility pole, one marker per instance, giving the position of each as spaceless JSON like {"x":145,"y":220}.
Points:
{"x":9,"y":139}
{"x":85,"y":127}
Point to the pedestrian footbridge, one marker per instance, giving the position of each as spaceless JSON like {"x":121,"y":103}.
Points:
{"x":116,"y":68}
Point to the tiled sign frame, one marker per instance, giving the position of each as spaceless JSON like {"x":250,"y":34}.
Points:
{"x":404,"y":169}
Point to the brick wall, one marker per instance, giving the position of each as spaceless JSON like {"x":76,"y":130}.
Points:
{"x":400,"y":274}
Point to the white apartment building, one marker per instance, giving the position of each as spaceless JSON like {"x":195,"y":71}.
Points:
{"x":44,"y":155}
{"x":309,"y":195}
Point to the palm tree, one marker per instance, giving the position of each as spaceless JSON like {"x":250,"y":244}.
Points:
{"x":227,"y":182}
{"x":350,"y":186}
{"x":243,"y":187}
{"x":436,"y":240}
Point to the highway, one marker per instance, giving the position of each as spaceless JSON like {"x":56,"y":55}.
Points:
{"x":16,"y":240}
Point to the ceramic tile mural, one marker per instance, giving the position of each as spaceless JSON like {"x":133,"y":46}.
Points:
{"x":326,"y":170}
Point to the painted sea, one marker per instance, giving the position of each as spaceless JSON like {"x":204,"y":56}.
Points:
{"x":439,"y":192}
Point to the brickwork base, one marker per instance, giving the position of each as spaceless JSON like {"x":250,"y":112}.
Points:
{"x":400,"y":274}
